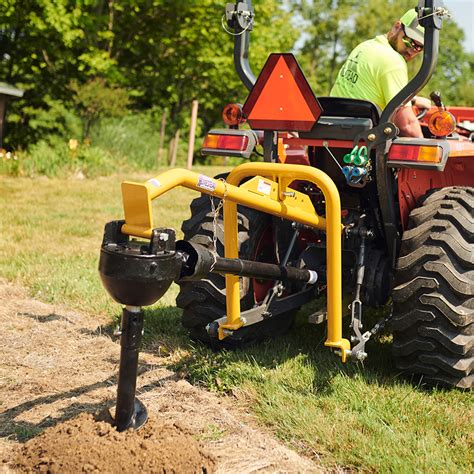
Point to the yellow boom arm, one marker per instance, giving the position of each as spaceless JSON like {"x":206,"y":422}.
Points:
{"x":267,"y":191}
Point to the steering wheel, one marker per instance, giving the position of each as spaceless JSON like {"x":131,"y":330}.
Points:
{"x":420,"y":113}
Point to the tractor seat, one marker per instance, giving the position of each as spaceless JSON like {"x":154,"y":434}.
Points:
{"x":343,"y":119}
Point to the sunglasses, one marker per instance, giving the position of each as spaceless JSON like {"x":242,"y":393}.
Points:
{"x":411,"y":44}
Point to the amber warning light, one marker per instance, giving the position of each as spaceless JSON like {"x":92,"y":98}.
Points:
{"x":282,"y":99}
{"x":233,"y":115}
{"x":442,"y":123}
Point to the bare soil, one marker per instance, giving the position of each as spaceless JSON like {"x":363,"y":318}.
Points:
{"x":58,"y":382}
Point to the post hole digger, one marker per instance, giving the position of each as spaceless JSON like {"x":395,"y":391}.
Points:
{"x":341,"y":205}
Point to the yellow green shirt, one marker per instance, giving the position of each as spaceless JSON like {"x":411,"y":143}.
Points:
{"x":374,"y":71}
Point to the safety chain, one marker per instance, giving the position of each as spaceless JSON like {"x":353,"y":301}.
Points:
{"x":358,"y":351}
{"x":215,"y":211}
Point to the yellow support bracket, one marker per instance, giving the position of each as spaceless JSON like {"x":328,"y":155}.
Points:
{"x":268,"y":191}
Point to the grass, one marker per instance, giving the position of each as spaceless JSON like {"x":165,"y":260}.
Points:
{"x":361,"y":418}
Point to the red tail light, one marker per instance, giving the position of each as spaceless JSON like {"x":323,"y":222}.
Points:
{"x":224,"y":142}
{"x":432,"y":154}
{"x":428,"y":154}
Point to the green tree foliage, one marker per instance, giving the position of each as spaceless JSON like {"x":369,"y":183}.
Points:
{"x":164,"y":52}
{"x":95,"y":100}
{"x":46,"y":44}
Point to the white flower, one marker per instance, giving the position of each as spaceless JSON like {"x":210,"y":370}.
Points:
{"x":9,"y":155}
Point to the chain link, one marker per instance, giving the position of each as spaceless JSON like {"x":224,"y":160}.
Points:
{"x":216,"y":210}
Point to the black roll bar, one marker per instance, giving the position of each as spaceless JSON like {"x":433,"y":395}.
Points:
{"x":432,"y":23}
{"x":240,"y":18}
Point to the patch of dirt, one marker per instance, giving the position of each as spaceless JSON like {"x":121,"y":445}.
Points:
{"x":58,"y":368}
{"x":87,"y":445}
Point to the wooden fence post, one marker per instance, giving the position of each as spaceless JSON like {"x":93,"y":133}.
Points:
{"x":192,"y":133}
{"x":174,"y":150}
{"x":162,"y":138}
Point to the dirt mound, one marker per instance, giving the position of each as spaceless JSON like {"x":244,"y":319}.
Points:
{"x":57,"y":364}
{"x":87,"y":445}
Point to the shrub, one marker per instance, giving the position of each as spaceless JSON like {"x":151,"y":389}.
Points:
{"x":53,"y":157}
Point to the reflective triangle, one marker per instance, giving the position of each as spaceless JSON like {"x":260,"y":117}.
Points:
{"x":282,"y":99}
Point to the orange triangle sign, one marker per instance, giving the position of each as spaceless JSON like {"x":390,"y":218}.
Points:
{"x":282,"y":99}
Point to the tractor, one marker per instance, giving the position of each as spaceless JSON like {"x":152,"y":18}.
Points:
{"x":340,"y":206}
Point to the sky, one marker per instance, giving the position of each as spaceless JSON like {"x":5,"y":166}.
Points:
{"x":463,"y":15}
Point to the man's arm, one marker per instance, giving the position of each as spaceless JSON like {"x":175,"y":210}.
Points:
{"x":405,"y":119}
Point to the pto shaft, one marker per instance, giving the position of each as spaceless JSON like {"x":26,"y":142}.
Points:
{"x":199,"y":261}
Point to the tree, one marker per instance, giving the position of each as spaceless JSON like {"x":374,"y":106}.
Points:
{"x":95,"y":100}
{"x":163,"y":52}
{"x":183,"y":53}
{"x":45,"y":45}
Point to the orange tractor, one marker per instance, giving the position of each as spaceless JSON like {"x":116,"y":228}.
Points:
{"x":340,"y":206}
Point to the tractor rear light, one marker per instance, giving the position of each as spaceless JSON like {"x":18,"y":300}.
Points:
{"x":418,"y":153}
{"x":432,"y":154}
{"x":233,"y":115}
{"x":240,"y":143}
{"x":224,"y":142}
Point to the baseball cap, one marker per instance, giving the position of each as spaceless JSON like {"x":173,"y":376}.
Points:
{"x":412,"y":28}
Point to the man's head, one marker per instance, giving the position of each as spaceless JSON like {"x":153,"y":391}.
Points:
{"x":407,"y":35}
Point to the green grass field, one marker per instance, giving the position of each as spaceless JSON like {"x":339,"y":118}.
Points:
{"x":360,"y":418}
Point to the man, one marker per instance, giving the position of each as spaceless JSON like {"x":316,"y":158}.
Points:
{"x":376,"y":70}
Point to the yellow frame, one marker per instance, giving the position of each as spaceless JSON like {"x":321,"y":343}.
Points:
{"x":268,"y":191}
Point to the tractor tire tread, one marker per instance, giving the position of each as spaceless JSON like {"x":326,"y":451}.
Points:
{"x":433,"y":322}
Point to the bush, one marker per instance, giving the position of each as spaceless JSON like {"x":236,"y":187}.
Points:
{"x":117,"y":144}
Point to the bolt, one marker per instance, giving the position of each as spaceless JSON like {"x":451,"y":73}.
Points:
{"x":387,"y":131}
{"x":371,"y":137}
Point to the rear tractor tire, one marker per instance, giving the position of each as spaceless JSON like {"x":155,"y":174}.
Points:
{"x":204,"y":301}
{"x":433,"y":323}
